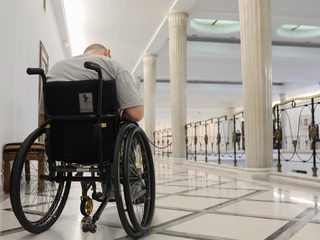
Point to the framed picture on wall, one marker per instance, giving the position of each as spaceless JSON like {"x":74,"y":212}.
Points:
{"x":44,"y":64}
{"x":305,"y":121}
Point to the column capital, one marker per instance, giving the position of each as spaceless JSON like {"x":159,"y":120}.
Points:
{"x":136,"y":78}
{"x":177,"y":12}
{"x":149,"y":56}
{"x":283,"y":97}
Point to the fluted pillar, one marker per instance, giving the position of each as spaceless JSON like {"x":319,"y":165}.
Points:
{"x":177,"y":21}
{"x":255,"y":21}
{"x":149,"y":76}
{"x":284,"y":122}
{"x":136,"y":80}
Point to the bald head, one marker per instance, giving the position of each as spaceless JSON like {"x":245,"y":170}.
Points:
{"x":98,"y":49}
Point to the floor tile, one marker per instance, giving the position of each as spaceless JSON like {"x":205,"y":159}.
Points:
{"x":164,"y":237}
{"x":8,"y":220}
{"x":240,"y":228}
{"x":214,"y":192}
{"x":271,"y":209}
{"x":309,"y":232}
{"x":186,"y":193}
{"x":69,"y":229}
{"x":161,"y":216}
{"x":171,"y":189}
{"x":195,"y":203}
{"x":280,"y":195}
{"x":192,"y":182}
{"x":243,"y":185}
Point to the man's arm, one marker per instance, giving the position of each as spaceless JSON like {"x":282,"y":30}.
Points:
{"x":134,"y":114}
{"x":130,"y":100}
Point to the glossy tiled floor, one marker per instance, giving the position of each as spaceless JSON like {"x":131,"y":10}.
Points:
{"x":194,"y":205}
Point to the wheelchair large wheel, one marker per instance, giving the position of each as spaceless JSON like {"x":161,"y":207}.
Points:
{"x":37,"y":204}
{"x":139,"y":180}
{"x":119,"y":152}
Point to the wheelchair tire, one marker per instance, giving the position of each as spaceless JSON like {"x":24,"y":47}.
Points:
{"x":117,"y":179}
{"x":143,"y":189}
{"x":48,"y":218}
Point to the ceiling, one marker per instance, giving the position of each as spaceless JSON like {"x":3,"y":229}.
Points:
{"x":132,"y":28}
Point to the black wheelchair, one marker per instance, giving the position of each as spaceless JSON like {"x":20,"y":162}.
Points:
{"x":84,"y":141}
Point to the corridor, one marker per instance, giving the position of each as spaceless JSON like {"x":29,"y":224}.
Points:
{"x":193,"y":204}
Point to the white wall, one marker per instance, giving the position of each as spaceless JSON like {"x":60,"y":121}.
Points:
{"x":24,"y":24}
{"x":7,"y":45}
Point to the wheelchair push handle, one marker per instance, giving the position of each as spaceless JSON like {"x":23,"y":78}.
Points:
{"x":96,"y":67}
{"x":35,"y":71}
{"x":93,"y":66}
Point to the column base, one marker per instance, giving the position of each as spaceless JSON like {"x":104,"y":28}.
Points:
{"x":261,"y":174}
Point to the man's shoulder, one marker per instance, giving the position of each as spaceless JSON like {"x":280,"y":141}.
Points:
{"x":103,"y":60}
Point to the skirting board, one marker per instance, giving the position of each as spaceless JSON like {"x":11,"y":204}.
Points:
{"x":241,"y":173}
{"x":235,"y":172}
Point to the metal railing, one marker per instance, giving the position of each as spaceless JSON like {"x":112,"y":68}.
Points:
{"x":295,"y":137}
{"x":162,"y":142}
{"x":297,"y":140}
{"x":215,"y":138}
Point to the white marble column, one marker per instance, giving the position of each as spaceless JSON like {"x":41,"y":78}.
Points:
{"x":149,"y":76}
{"x":177,"y":21}
{"x":255,"y":21}
{"x":136,"y":80}
{"x":284,"y":122}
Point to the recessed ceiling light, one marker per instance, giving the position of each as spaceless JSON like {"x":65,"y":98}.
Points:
{"x":215,"y":26}
{"x":298,"y":31}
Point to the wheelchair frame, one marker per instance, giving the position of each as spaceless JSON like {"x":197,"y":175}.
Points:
{"x":104,"y":168}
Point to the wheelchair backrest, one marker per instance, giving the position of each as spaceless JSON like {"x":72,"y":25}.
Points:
{"x":77,"y":140}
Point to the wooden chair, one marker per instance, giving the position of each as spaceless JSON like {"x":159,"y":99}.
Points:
{"x":10,"y":150}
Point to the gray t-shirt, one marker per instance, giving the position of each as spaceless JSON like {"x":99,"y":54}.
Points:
{"x":73,"y":69}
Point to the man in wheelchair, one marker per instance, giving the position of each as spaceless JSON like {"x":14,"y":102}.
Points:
{"x":88,"y":110}
{"x":130,"y":101}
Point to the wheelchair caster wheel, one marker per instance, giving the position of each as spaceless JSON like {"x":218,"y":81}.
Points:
{"x":86,"y":206}
{"x":89,"y":227}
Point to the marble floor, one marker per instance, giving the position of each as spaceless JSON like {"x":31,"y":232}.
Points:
{"x":193,"y":204}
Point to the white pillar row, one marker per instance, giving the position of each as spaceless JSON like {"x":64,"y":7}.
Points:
{"x":177,"y":21}
{"x":136,"y":80}
{"x":284,"y":123}
{"x":255,"y":22}
{"x":149,"y":76}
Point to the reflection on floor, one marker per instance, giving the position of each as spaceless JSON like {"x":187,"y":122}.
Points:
{"x":193,"y":204}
